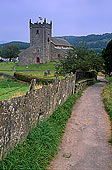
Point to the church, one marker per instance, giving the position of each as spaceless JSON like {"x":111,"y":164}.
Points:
{"x":43,"y":47}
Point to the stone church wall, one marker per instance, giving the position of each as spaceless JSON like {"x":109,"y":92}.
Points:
{"x":29,"y":56}
{"x":56,"y":53}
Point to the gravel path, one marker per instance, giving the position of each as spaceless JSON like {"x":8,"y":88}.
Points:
{"x":85,"y":142}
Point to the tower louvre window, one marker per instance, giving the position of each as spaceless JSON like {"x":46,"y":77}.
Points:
{"x":37,"y":32}
{"x":48,"y":39}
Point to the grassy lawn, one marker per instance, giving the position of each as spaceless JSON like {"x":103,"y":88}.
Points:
{"x":41,"y":67}
{"x":107,"y":98}
{"x":8,"y":72}
{"x":7,"y":85}
{"x":9,"y":66}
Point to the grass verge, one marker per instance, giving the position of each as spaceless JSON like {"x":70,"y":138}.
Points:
{"x":107,"y":99}
{"x":42,"y":143}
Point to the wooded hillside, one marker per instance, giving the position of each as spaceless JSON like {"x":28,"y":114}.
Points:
{"x":95,"y":42}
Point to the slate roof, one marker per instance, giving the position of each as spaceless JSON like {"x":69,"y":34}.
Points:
{"x":60,"y":42}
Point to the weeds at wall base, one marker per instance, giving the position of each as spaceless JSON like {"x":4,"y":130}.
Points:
{"x":107,"y":99}
{"x":42,"y":143}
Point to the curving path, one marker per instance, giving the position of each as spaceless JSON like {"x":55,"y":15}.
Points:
{"x":85,"y":142}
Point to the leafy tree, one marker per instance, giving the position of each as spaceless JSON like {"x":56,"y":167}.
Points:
{"x":107,"y":56}
{"x":97,"y":62}
{"x":10,"y":51}
{"x":79,"y":58}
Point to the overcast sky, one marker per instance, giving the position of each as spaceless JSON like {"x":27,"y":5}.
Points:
{"x":70,"y":17}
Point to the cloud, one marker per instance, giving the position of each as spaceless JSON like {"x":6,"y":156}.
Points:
{"x":70,"y":17}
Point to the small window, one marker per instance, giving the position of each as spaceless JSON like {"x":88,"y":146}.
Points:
{"x":48,"y":39}
{"x":58,"y":55}
{"x":37,"y":32}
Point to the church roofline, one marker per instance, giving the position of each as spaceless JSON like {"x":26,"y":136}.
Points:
{"x":60,"y":42}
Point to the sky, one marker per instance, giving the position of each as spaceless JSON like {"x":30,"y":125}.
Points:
{"x":70,"y":17}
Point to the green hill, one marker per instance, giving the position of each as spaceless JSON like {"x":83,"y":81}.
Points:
{"x":21,"y":45}
{"x":95,"y":42}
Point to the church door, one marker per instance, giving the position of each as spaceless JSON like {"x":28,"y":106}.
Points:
{"x":38,"y":60}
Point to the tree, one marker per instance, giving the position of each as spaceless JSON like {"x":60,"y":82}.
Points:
{"x":107,"y":56}
{"x":10,"y":51}
{"x":79,"y":58}
{"x":97,"y":62}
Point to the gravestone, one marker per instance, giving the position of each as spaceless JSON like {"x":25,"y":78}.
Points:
{"x":71,"y":74}
{"x":49,"y":72}
{"x":66,"y":76}
{"x":57,"y":66}
{"x":45,"y":74}
{"x":15,"y":68}
{"x":37,"y":66}
{"x":26,"y":67}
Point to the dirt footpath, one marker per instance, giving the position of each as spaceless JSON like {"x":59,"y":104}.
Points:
{"x":85,"y":142}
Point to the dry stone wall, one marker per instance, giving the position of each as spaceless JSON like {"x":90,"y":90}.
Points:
{"x":19,"y":115}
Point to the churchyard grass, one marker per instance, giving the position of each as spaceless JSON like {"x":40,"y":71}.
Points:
{"x":8,"y":66}
{"x":7,"y":85}
{"x":107,"y":98}
{"x":38,"y":67}
{"x":8,"y":72}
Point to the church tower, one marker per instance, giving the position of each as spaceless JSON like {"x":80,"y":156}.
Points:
{"x":40,"y":38}
{"x":43,"y":47}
